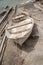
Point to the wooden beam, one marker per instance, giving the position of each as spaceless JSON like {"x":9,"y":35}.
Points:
{"x":6,"y":15}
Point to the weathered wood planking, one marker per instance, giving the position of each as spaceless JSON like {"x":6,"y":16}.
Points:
{"x":6,"y":15}
{"x":3,"y":23}
{"x":3,"y":28}
{"x":2,"y":47}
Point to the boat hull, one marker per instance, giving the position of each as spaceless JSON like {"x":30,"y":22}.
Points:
{"x":21,"y":32}
{"x":20,"y":41}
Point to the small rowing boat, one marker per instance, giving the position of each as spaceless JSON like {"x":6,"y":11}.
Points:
{"x":21,"y":29}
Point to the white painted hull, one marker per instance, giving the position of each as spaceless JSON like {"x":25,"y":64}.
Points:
{"x":20,"y":34}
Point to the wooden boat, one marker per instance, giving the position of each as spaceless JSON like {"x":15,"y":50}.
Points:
{"x":21,"y":29}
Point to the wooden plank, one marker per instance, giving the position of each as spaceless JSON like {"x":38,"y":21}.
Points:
{"x":3,"y":21}
{"x":3,"y":28}
{"x":6,"y":15}
{"x":3,"y":46}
